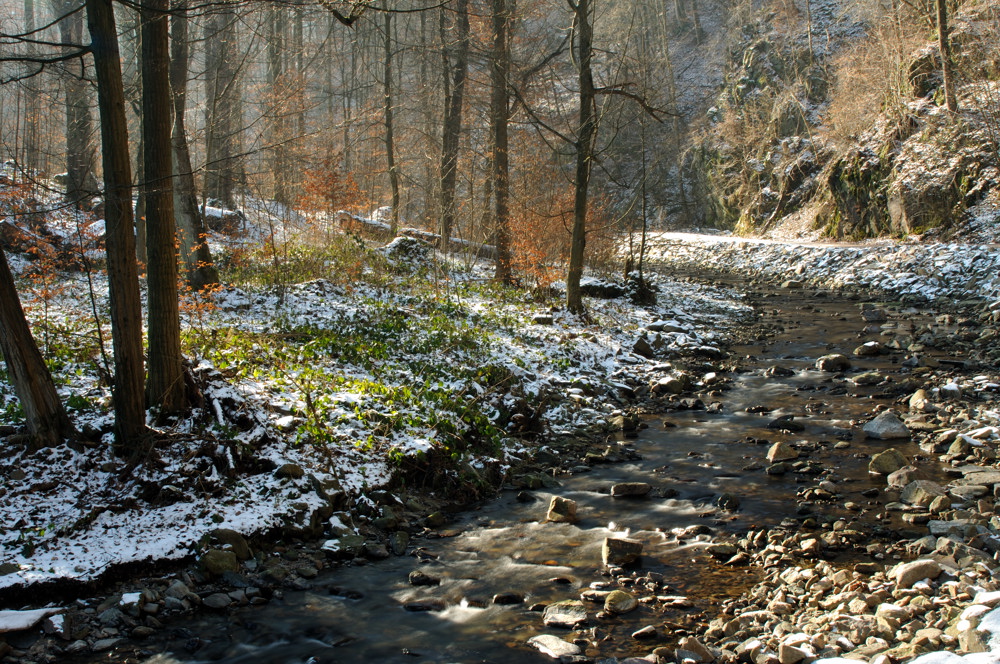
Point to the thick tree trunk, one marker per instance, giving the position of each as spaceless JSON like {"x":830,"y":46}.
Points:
{"x":456,"y":73}
{"x":123,"y":278}
{"x":944,"y":45}
{"x":390,"y":147}
{"x":45,"y":416}
{"x":165,"y":383}
{"x":32,"y":130}
{"x":499,"y":116}
{"x":584,"y":37}
{"x":193,"y":236}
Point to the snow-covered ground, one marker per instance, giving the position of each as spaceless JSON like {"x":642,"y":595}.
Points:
{"x":316,"y":393}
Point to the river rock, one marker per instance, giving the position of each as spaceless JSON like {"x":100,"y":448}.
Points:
{"x":869,"y":349}
{"x":906,"y":574}
{"x":643,"y":348}
{"x":921,"y":492}
{"x":553,"y":646}
{"x":289,"y":471}
{"x":782,"y":452}
{"x":886,"y":426}
{"x":630,"y":489}
{"x":620,"y":551}
{"x":233,"y":540}
{"x":950,"y":391}
{"x":418,"y":578}
{"x":887,"y":462}
{"x":900,"y":478}
{"x":834,"y":362}
{"x":786,"y":423}
{"x":619,"y":601}
{"x":217,"y":562}
{"x":561,"y":510}
{"x":217,"y":601}
{"x":920,"y":401}
{"x":567,"y":613}
{"x":868,"y":378}
{"x":693,"y":645}
{"x":873,"y":314}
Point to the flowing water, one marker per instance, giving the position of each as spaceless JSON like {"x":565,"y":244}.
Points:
{"x":357,"y":613}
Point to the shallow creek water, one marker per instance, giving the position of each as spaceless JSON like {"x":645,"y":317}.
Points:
{"x":356,"y":613}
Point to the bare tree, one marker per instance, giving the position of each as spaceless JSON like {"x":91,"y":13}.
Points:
{"x":48,"y":423}
{"x":390,"y":128}
{"x":944,"y":45}
{"x":456,"y":66}
{"x":123,"y":277}
{"x":165,"y":382}
{"x":583,"y":42}
{"x":501,"y":14}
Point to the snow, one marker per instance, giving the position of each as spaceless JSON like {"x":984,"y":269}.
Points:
{"x":16,"y":621}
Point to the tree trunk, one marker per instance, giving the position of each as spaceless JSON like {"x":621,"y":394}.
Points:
{"x":165,"y":383}
{"x":944,"y":45}
{"x":193,"y":236}
{"x":584,"y":38}
{"x":277,"y":86}
{"x":80,"y":181}
{"x":390,"y":147}
{"x":123,"y":278}
{"x":455,"y":73}
{"x":46,"y":418}
{"x":500,"y":154}
{"x":221,"y":98}
{"x":32,"y":130}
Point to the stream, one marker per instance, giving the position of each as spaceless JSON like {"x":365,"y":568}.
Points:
{"x":371,"y":613}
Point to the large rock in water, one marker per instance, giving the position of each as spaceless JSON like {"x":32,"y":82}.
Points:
{"x":834,"y":362}
{"x":630,"y":489}
{"x":620,"y":551}
{"x":553,"y":646}
{"x":782,"y":452}
{"x":886,"y":426}
{"x":887,"y":462}
{"x":619,"y":601}
{"x":567,"y":613}
{"x":561,"y":510}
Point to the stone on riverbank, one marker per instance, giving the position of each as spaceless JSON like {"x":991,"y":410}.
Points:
{"x":217,"y":562}
{"x":553,"y":646}
{"x":886,"y":426}
{"x":921,"y":492}
{"x":782,"y":452}
{"x":906,"y":574}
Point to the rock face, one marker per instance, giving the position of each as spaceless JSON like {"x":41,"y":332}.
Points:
{"x":620,"y":551}
{"x":886,"y":426}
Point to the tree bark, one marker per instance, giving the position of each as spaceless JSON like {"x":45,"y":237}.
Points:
{"x":222,"y":110}
{"x":123,"y":277}
{"x":45,"y":416}
{"x":32,"y":129}
{"x":80,"y":181}
{"x":455,"y":72}
{"x":165,"y":383}
{"x":192,"y":233}
{"x":500,"y":153}
{"x":584,"y":38}
{"x":947,"y":65}
{"x":277,"y":86}
{"x":390,"y":147}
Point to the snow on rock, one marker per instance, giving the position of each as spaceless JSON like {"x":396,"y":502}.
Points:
{"x":17,"y":621}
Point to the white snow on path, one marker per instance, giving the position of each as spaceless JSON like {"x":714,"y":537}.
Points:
{"x":931,"y":271}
